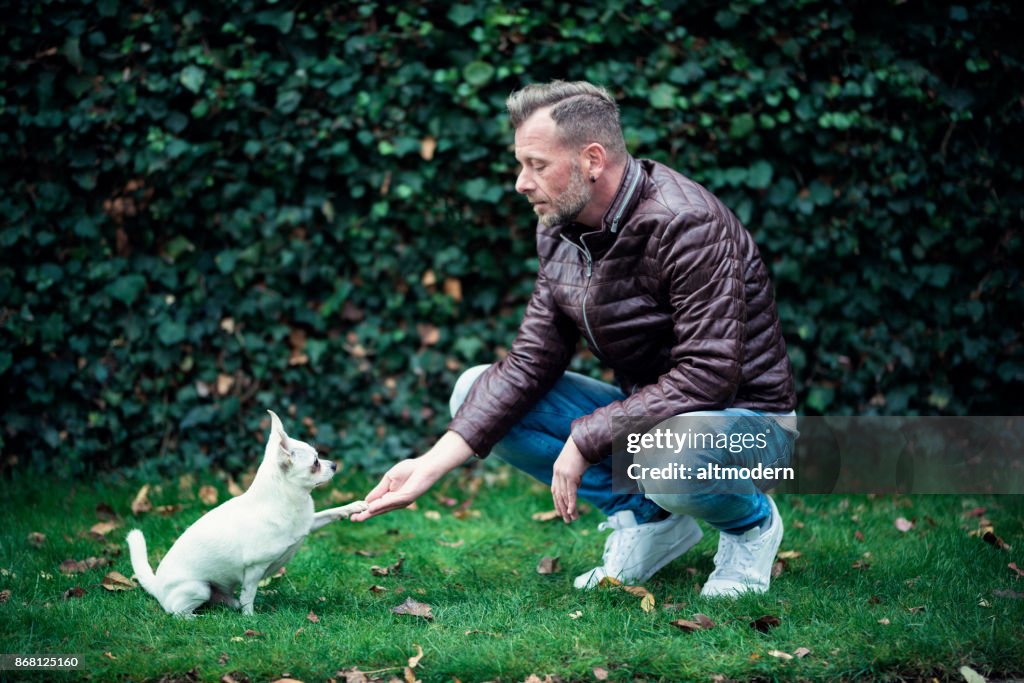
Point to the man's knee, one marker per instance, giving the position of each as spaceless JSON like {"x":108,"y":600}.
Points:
{"x":462,"y":386}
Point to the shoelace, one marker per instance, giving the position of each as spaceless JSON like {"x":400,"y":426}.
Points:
{"x":613,"y":547}
{"x":724,"y":559}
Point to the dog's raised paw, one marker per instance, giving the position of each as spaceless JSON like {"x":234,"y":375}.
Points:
{"x":359,"y":506}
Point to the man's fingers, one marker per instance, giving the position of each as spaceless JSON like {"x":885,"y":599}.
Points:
{"x":379,"y":490}
{"x":386,"y":503}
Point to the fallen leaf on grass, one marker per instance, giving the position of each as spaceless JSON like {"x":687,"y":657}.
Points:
{"x":778,"y":568}
{"x":970,"y":675}
{"x":575,"y":615}
{"x":915,"y":610}
{"x":80,"y":566}
{"x":903,"y":524}
{"x":647,"y":603}
{"x":548,"y":516}
{"x":116,"y":581}
{"x":486,"y":633}
{"x":686,"y":625}
{"x":993,"y":540}
{"x":433,"y":515}
{"x":387,"y":571}
{"x":414,"y":608}
{"x":101,"y":529}
{"x":141,"y":502}
{"x":451,"y":544}
{"x":548,"y":565}
{"x":609,"y":582}
{"x":801,"y":652}
{"x":109,"y":655}
{"x":378,"y":589}
{"x":765,"y":623}
{"x":788,"y":555}
{"x":859,"y":535}
{"x":415,"y":660}
{"x":36,"y":539}
{"x":208,"y":495}
{"x":861,"y":564}
{"x":313,"y":617}
{"x":600,"y":674}
{"x":884,"y":622}
{"x":263,"y":583}
{"x":5,"y":595}
{"x":76,"y":592}
{"x":779,"y":654}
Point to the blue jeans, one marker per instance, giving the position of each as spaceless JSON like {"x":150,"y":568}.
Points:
{"x":534,"y":443}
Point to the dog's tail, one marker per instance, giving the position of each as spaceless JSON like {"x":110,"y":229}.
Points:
{"x":140,"y":562}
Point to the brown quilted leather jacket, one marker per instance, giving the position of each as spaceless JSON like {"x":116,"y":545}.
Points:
{"x":671,"y":294}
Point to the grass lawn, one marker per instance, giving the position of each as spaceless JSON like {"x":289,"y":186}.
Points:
{"x":867,"y":599}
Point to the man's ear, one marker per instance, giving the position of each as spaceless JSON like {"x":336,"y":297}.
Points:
{"x":594,"y":160}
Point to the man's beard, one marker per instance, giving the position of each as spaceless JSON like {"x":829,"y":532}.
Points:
{"x":571,"y":202}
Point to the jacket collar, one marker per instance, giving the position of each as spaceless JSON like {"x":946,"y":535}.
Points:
{"x":626,"y":197}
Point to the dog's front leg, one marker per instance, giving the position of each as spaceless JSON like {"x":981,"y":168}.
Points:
{"x":250,"y":582}
{"x":325,"y":517}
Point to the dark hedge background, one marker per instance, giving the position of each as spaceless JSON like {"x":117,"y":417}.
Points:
{"x":210,"y":212}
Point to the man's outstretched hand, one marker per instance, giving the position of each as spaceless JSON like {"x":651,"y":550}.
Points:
{"x":565,"y":480}
{"x":410,"y":479}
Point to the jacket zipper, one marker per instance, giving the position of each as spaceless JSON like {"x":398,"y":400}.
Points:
{"x":589,"y":271}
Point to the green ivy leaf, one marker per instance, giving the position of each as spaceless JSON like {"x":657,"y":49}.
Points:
{"x":127,"y":288}
{"x":193,"y":77}
{"x":478,"y":73}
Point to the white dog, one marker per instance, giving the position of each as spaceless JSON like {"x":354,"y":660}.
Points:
{"x":247,"y":538}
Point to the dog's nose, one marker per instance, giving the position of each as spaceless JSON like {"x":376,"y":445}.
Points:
{"x":334,"y":466}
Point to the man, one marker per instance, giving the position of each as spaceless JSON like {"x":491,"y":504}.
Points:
{"x":668,"y":289}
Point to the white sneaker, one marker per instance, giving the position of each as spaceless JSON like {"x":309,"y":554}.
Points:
{"x":634,"y":552}
{"x":744,"y":561}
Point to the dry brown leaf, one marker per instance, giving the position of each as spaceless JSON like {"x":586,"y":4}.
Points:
{"x":647,"y":603}
{"x":415,"y":660}
{"x":548,"y":565}
{"x":686,"y":625}
{"x":353,"y":675}
{"x":801,"y":652}
{"x":638,"y":591}
{"x":110,"y":655}
{"x":704,"y":620}
{"x":76,"y":592}
{"x":609,"y":582}
{"x":903,"y":524}
{"x":453,"y":288}
{"x":859,"y":535}
{"x":428,"y":146}
{"x":884,"y":622}
{"x":575,"y":615}
{"x":778,"y":568}
{"x":451,"y":544}
{"x":548,"y":516}
{"x":378,"y":589}
{"x":390,"y":570}
{"x":208,"y":495}
{"x":410,"y":677}
{"x":312,"y":617}
{"x":780,"y":654}
{"x":970,"y":675}
{"x":36,"y":539}
{"x":116,"y":581}
{"x":80,"y":566}
{"x":429,"y":334}
{"x":788,"y":555}
{"x":915,"y":610}
{"x":600,"y":674}
{"x":433,"y":515}
{"x":414,"y":608}
{"x":5,"y":595}
{"x":861,"y":564}
{"x":101,"y":529}
{"x":993,"y":540}
{"x":141,"y":504}
{"x":765,"y":623}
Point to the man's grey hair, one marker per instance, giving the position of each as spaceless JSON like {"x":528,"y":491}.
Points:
{"x":584,"y":113}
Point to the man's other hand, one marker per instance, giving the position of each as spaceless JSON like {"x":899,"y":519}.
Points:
{"x":565,"y":480}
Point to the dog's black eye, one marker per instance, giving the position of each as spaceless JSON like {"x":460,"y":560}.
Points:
{"x":316,"y":465}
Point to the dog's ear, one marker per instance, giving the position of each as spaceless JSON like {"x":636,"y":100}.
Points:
{"x":280,"y":439}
